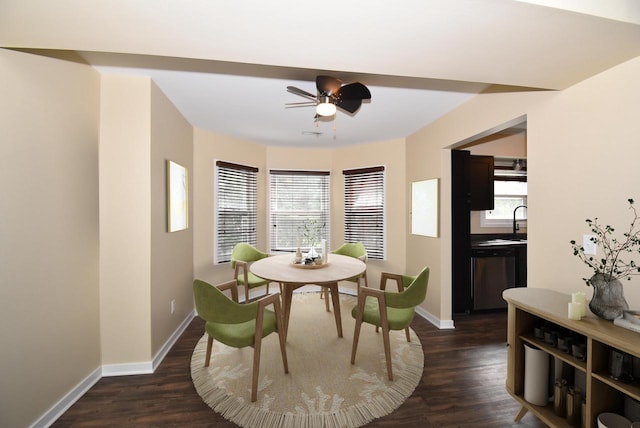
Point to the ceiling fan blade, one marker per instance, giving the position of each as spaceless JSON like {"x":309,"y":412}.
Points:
{"x":350,"y":105}
{"x":328,"y":85}
{"x":302,"y":104}
{"x":300,"y":92}
{"x":354,"y":91}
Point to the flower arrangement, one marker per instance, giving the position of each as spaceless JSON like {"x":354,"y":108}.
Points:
{"x":611,"y":264}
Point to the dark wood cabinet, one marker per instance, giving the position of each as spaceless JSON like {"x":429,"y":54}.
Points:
{"x":462,"y":298}
{"x":481,"y":170}
{"x":521,"y":265}
{"x":471,"y":189}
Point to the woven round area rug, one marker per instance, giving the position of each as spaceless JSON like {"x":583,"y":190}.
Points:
{"x":322,"y":388}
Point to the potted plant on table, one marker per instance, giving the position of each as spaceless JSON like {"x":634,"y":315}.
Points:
{"x":311,"y":232}
{"x":610,"y":268}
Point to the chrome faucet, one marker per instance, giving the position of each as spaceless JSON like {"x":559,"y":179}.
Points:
{"x":515,"y":225}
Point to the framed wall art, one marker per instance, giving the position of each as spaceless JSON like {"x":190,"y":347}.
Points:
{"x":424,"y":208}
{"x":177,"y":197}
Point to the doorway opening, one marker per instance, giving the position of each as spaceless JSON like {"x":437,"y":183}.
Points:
{"x":474,"y":196}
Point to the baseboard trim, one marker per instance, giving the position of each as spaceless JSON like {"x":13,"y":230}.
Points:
{"x":148,"y":367}
{"x":51,"y":415}
{"x":145,"y":367}
{"x":164,"y":350}
{"x":441,"y":324}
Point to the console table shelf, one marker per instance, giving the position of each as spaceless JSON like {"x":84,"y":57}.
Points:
{"x":530,"y":306}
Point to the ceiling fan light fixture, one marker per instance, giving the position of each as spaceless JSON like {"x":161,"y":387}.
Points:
{"x":325,"y":107}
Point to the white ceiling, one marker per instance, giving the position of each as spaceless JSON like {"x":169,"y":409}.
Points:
{"x":226,"y":64}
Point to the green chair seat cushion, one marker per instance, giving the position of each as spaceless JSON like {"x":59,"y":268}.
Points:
{"x":241,"y":334}
{"x":399,"y":318}
{"x":254,"y":281}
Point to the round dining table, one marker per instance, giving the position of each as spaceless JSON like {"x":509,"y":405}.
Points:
{"x":282,"y":269}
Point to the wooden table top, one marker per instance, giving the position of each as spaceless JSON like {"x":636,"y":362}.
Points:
{"x":280,"y":269}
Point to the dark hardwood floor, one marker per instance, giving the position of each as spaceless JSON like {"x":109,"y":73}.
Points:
{"x":463,"y":385}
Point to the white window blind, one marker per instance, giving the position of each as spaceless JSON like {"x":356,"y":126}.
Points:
{"x":364,"y":209}
{"x":236,"y":207}
{"x":296,"y":197}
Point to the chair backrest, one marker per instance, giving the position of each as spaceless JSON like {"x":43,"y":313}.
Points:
{"x":245,"y":252}
{"x":355,"y":250}
{"x":214,"y":306}
{"x":412,"y":295}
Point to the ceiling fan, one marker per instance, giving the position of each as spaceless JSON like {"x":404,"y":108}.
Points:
{"x":331,"y":93}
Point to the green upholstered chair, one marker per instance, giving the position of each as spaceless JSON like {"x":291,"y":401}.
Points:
{"x":242,"y":256}
{"x":389,"y":310}
{"x":238,"y":325}
{"x":358,"y":251}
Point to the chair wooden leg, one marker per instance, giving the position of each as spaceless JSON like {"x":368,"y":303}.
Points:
{"x":387,"y":350}
{"x":256,"y":369}
{"x":406,"y":330}
{"x":356,"y":331}
{"x":356,"y":337}
{"x":207,"y":357}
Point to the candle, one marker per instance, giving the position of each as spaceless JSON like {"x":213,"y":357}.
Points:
{"x":580,"y":297}
{"x":575,"y":310}
{"x":325,"y":250}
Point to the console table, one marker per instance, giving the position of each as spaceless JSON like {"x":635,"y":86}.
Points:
{"x":529,"y":307}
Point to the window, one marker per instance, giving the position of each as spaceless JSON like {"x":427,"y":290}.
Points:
{"x":509,"y":192}
{"x":296,"y":197}
{"x":364,"y":209}
{"x":236,"y":207}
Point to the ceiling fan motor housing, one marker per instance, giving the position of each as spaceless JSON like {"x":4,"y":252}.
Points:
{"x":332,"y":93}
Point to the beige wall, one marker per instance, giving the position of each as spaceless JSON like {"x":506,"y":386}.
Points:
{"x":49,"y":308}
{"x":428,"y":156}
{"x":143,"y":267}
{"x":424,"y":162}
{"x":125,"y":221}
{"x":389,"y":154}
{"x":207,"y":148}
{"x":171,"y":253}
{"x":582,"y":149}
{"x":584,"y":145}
